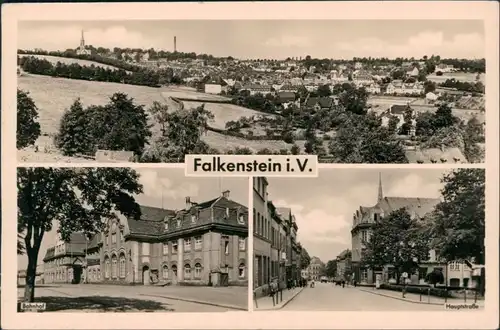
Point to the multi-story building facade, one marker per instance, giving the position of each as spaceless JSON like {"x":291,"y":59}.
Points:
{"x":344,"y":265}
{"x":276,"y":251}
{"x":261,"y":236}
{"x":315,"y":269}
{"x":202,"y":244}
{"x":363,"y":220}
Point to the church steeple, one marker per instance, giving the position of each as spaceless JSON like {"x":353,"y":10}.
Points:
{"x":380,"y":191}
{"x":82,"y":41}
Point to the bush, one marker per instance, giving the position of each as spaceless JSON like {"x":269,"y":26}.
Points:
{"x":424,"y":289}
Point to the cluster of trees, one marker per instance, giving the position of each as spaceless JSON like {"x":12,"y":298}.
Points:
{"x":180,"y":134}
{"x":442,"y":128}
{"x":455,"y":228}
{"x":121,"y":55}
{"x":94,"y":57}
{"x":475,"y":66}
{"x":142,"y":77}
{"x":118,"y":125}
{"x":464,"y":86}
{"x":266,"y":103}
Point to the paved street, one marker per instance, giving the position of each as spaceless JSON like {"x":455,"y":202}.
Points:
{"x":327,"y":297}
{"x":114,"y":298}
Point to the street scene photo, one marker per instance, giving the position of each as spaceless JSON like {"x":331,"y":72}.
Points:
{"x":370,"y":240}
{"x":348,"y":91}
{"x":124,"y":240}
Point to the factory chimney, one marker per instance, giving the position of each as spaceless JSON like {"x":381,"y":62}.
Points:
{"x":175,"y":44}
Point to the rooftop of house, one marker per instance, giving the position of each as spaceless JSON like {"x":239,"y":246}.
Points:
{"x":284,"y":211}
{"x":324,"y":102}
{"x":397,"y":109}
{"x":286,"y":96}
{"x":153,"y":220}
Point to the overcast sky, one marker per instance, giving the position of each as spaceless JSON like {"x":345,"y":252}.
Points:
{"x":175,"y":187}
{"x":324,"y":206}
{"x":269,"y":39}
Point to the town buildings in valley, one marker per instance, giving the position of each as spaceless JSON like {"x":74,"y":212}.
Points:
{"x":458,"y":274}
{"x":205,"y":243}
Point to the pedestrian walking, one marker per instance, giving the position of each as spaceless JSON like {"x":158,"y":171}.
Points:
{"x":343,"y":283}
{"x":354,"y":282}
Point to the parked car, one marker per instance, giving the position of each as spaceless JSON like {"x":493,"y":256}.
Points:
{"x":323,"y":279}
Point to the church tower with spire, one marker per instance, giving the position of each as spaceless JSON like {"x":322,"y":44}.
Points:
{"x":380,"y":190}
{"x":81,"y":49}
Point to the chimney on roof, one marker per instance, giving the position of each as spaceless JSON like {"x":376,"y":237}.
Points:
{"x":225,"y":194}
{"x":188,"y":203}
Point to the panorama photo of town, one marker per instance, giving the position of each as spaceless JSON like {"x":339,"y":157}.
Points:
{"x":348,"y":91}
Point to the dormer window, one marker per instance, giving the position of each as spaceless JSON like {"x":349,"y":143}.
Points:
{"x":227,"y":212}
{"x":165,"y":222}
{"x":178,"y":223}
{"x":241,"y":219}
{"x":193,"y":218}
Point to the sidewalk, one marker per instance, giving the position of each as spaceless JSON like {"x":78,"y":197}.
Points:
{"x":266,"y":303}
{"x":422,"y":299}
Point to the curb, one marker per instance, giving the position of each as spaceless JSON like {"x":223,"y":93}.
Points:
{"x":403,"y":299}
{"x":197,"y":302}
{"x":283,"y":305}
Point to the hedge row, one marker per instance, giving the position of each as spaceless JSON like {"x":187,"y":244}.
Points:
{"x":419,"y":289}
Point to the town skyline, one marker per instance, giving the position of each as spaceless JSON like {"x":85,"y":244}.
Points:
{"x":324,"y":206}
{"x":251,"y":39}
{"x":174,"y":186}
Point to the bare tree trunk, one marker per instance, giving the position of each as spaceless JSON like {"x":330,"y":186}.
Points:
{"x":29,"y":289}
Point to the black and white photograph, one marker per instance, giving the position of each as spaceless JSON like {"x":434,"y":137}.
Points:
{"x":349,"y":91}
{"x":125,"y":240}
{"x":370,"y":240}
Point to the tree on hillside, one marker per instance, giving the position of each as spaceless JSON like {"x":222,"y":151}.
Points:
{"x":474,"y":134}
{"x":352,"y":99}
{"x":443,"y":117}
{"x":331,"y":268}
{"x":457,"y":225}
{"x":28,"y":128}
{"x":118,"y":125}
{"x":182,"y":131}
{"x":363,"y":139}
{"x":399,"y":240}
{"x":74,"y":135}
{"x":79,"y":199}
{"x":324,"y":90}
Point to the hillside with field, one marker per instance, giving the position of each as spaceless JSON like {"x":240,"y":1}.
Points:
{"x":69,"y":61}
{"x":223,"y":112}
{"x":53,"y":96}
